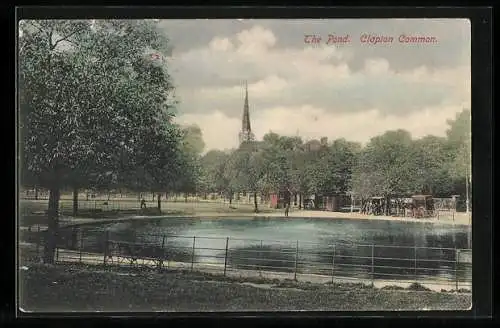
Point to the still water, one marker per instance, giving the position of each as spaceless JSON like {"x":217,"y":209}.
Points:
{"x":355,"y":248}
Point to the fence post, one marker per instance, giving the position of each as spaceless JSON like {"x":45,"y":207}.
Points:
{"x":373,"y":262}
{"x":81,"y":244}
{"x":457,"y":261}
{"x":162,"y":252}
{"x":261,"y":259}
{"x":333,"y":263}
{"x":415,"y":263}
{"x":296,"y":260}
{"x":192,"y":254}
{"x":168,"y":261}
{"x":38,"y":240}
{"x":106,"y":239}
{"x":225,"y":256}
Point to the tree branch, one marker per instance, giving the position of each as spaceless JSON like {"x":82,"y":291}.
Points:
{"x":37,"y":27}
{"x":65,"y":38}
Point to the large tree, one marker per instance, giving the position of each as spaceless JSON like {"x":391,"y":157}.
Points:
{"x":250,"y":169}
{"x":430,"y":167}
{"x":221,"y":171}
{"x":192,"y":145}
{"x":384,"y":167}
{"x":334,"y":167}
{"x":91,"y":98}
{"x":459,"y":142}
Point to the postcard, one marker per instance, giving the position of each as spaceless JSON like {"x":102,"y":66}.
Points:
{"x":244,"y":165}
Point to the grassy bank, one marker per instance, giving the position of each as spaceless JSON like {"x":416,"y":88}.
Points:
{"x":81,"y":288}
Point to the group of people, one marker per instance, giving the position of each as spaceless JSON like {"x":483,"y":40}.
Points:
{"x":405,"y":209}
{"x":373,"y":208}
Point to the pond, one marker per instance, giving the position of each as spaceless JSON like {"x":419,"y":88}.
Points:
{"x":356,"y":248}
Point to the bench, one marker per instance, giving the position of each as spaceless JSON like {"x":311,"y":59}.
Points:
{"x":131,"y":252}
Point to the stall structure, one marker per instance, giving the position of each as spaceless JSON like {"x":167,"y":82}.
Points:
{"x":422,"y":206}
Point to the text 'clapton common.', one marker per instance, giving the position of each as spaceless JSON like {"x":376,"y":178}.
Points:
{"x":369,"y":39}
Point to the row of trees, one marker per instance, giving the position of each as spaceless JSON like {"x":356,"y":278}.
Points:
{"x":390,"y":165}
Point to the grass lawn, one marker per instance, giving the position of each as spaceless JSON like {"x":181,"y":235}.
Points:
{"x":86,"y":288}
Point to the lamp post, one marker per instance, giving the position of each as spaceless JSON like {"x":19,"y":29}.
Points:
{"x":467,"y":190}
{"x":468,"y":186}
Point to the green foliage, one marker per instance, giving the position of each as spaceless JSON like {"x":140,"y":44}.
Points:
{"x":193,"y":139}
{"x":391,"y":164}
{"x":333,"y":169}
{"x":96,"y":110}
{"x":459,"y":143}
{"x":220,"y":172}
{"x":94,"y":106}
{"x":394,"y":164}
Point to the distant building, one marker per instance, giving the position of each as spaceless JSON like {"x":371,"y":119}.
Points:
{"x":313,"y":145}
{"x":246,"y":133}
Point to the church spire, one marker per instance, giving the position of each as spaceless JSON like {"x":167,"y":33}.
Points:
{"x":246,"y":112}
{"x":246,"y":130}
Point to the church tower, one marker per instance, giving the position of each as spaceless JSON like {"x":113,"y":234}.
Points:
{"x":246,"y":130}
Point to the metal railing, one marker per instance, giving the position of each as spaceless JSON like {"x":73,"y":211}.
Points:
{"x":296,"y":260}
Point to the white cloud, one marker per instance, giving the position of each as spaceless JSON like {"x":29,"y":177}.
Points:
{"x":218,"y":44}
{"x":377,"y":66}
{"x":311,"y":90}
{"x":255,"y":41}
{"x":221,"y":131}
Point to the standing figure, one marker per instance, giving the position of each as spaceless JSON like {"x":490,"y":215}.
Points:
{"x":143,"y":203}
{"x":287,"y":208}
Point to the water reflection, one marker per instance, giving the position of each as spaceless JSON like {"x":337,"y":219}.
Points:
{"x":379,"y":249}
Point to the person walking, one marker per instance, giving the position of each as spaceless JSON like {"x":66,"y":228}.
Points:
{"x":287,"y":208}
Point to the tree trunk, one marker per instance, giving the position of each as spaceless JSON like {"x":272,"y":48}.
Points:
{"x":300,"y":201}
{"x":53,"y":226}
{"x":159,"y":202}
{"x":256,"y":206}
{"x":75,"y":201}
{"x":386,"y":207}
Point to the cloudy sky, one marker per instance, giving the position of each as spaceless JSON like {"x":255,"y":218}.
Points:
{"x":353,"y":90}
